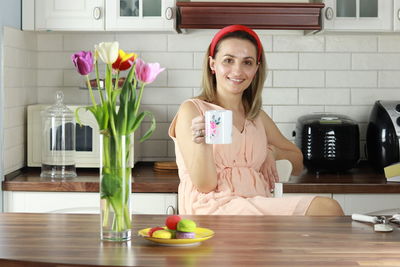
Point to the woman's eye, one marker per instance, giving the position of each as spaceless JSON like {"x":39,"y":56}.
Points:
{"x":249,"y":63}
{"x":228,"y":60}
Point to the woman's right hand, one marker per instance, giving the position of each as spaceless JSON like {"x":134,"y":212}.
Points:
{"x":198,"y":129}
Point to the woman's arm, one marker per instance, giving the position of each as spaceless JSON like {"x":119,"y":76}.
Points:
{"x":281,"y":147}
{"x":198,"y":157}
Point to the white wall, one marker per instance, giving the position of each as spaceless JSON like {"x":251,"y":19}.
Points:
{"x":20,"y":90}
{"x":334,"y":73}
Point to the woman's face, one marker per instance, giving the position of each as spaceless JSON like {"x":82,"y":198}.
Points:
{"x":235,"y":65}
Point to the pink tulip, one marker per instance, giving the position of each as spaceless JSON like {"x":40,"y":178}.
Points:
{"x":213,"y":125}
{"x":83,"y":62}
{"x":147,"y":72}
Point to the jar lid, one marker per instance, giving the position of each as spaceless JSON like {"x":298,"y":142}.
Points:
{"x":59,"y":109}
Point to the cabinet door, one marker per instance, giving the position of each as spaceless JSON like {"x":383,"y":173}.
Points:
{"x":396,"y":15}
{"x":358,"y":15}
{"x":71,"y":15}
{"x":140,"y":15}
{"x":367,"y":203}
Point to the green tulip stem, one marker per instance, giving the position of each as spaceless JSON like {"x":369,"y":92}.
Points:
{"x":90,"y":90}
{"x":96,"y":68}
{"x":137,"y":104}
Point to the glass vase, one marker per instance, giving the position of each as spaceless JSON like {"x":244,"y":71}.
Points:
{"x":115,"y":187}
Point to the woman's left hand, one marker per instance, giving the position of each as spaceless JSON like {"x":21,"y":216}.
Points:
{"x":269,"y":168}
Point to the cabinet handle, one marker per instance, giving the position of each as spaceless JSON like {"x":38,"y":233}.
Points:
{"x":329,"y":13}
{"x":169,"y":13}
{"x":170,"y":210}
{"x":97,"y":13}
{"x":398,"y":14}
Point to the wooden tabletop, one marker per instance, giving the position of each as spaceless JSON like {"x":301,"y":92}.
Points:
{"x":361,"y":179}
{"x":50,"y":239}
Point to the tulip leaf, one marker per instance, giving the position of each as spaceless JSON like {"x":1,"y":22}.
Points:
{"x":110,"y":184}
{"x":151,"y":129}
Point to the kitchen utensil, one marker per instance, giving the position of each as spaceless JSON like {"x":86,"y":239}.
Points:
{"x":381,"y":223}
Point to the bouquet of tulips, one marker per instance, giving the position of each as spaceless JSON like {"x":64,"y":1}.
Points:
{"x":116,"y":122}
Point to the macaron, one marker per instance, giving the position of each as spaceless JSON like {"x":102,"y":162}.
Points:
{"x":186,"y":225}
{"x":185,"y":235}
{"x":172,"y":221}
{"x":164,"y":234}
{"x":152,"y":230}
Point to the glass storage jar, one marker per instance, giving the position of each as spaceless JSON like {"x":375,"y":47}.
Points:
{"x":58,"y":140}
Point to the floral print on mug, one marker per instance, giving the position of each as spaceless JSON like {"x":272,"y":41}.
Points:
{"x":214,"y":123}
{"x":218,"y":126}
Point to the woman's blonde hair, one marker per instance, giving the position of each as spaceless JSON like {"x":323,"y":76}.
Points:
{"x":252,"y":96}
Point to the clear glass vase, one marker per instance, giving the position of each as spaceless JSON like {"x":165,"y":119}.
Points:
{"x":115,"y":187}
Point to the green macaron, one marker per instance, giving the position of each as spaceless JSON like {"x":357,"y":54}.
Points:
{"x":186,"y":225}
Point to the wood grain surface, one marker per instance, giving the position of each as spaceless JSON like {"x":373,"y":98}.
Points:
{"x":73,"y":240}
{"x":361,"y":179}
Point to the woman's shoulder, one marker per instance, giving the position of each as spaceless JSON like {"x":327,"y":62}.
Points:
{"x":264,"y":118}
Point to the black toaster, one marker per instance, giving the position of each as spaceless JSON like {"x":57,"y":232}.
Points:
{"x":329,"y":142}
{"x":383,"y":134}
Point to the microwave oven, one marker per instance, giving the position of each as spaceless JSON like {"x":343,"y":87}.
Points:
{"x":87,"y":142}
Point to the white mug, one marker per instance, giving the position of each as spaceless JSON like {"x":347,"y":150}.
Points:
{"x":218,"y":126}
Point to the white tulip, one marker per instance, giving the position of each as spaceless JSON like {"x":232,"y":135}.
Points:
{"x":108,"y":51}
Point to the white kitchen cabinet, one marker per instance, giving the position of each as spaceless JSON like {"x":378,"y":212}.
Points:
{"x":145,"y":15}
{"x":396,"y":15}
{"x":358,"y":15}
{"x":78,"y":202}
{"x":98,"y":15}
{"x":74,"y":15}
{"x":367,"y":203}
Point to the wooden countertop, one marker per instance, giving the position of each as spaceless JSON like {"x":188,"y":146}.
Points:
{"x":45,"y":240}
{"x":362,"y":179}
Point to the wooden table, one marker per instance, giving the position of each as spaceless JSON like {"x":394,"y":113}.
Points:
{"x":73,"y":240}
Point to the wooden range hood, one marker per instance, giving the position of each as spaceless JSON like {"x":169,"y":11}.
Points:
{"x":278,"y":16}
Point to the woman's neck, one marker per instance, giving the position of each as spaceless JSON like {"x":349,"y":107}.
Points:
{"x":233,"y":103}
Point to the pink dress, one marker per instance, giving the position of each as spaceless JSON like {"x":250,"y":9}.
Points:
{"x":241,"y":187}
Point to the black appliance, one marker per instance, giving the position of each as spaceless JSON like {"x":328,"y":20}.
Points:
{"x":329,"y":142}
{"x":383,"y":134}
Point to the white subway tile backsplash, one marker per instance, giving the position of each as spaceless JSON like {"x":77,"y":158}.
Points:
{"x":282,"y":61}
{"x":324,"y":61}
{"x":184,"y":78}
{"x":357,"y":113}
{"x":14,"y":159}
{"x":15,"y":136}
{"x":324,"y":96}
{"x":287,"y":130}
{"x":298,"y":43}
{"x":50,"y":77}
{"x":160,"y":133}
{"x":154,"y":148}
{"x":351,"y":79}
{"x":386,"y":61}
{"x":159,"y":112}
{"x":198,"y":60}
{"x":341,"y":73}
{"x":14,"y":117}
{"x":55,"y":60}
{"x":189,"y":42}
{"x":298,"y":78}
{"x":389,"y":43}
{"x":291,"y":113}
{"x":165,"y":96}
{"x":170,"y":60}
{"x":369,"y":96}
{"x":49,"y":42}
{"x":280,"y":96}
{"x":351,"y":43}
{"x":389,"y":79}
{"x":172,"y":111}
{"x":142,"y":42}
{"x":75,"y":42}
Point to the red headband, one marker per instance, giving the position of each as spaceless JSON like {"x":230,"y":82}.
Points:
{"x":235,"y":28}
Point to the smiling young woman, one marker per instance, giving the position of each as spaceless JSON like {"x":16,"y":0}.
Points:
{"x":236,"y":178}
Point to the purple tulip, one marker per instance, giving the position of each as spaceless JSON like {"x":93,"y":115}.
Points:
{"x":147,"y":72}
{"x":83,"y":62}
